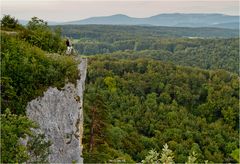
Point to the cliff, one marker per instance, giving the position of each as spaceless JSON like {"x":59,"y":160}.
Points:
{"x":59,"y":114}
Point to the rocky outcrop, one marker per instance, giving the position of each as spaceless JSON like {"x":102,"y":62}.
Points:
{"x":59,"y":115}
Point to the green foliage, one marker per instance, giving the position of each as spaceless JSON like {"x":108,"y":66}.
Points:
{"x":9,"y":22}
{"x":26,"y":72}
{"x":152,"y":157}
{"x":39,"y":34}
{"x":111,"y":83}
{"x":38,"y":148}
{"x":192,"y":158}
{"x":166,"y":155}
{"x":235,"y":154}
{"x":36,"y":23}
{"x":97,"y":122}
{"x":153,"y":103}
{"x":14,"y":130}
{"x":14,"y":127}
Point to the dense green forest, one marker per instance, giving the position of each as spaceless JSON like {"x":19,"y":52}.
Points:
{"x":160,"y":43}
{"x":149,"y":90}
{"x":133,"y":106}
{"x":29,"y":65}
{"x":140,"y":95}
{"x":112,"y":33}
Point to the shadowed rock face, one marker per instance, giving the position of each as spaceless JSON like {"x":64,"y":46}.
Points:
{"x":59,"y":114}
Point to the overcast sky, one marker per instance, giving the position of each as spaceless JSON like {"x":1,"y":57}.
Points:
{"x":67,"y":10}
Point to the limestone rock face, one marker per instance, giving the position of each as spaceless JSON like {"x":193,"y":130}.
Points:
{"x":59,"y":114}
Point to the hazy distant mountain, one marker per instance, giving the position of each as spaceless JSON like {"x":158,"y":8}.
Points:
{"x":176,"y":20}
{"x":114,"y":19}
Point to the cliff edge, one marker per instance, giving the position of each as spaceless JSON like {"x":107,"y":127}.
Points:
{"x":59,"y":114}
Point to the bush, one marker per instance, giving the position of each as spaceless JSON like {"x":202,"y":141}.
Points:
{"x":9,"y":22}
{"x":39,"y":34}
{"x":14,"y":128}
{"x":27,"y":72}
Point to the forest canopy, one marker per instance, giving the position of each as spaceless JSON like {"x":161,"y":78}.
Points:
{"x":134,"y":106}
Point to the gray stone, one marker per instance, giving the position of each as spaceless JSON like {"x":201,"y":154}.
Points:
{"x":59,"y":114}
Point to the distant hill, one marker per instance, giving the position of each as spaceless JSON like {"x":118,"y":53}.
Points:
{"x":173,"y":20}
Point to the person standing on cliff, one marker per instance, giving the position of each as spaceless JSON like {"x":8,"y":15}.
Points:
{"x":68,"y":47}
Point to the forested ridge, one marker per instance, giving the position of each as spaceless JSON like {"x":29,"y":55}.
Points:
{"x":118,"y":32}
{"x":133,"y":106}
{"x":207,"y":52}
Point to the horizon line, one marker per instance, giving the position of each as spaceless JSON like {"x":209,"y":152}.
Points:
{"x":122,"y":15}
